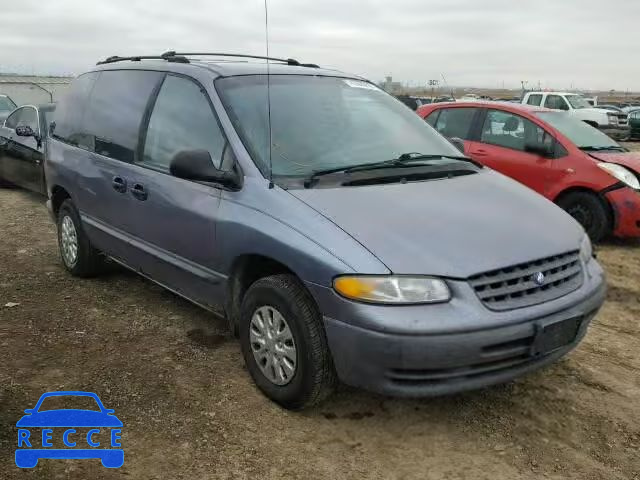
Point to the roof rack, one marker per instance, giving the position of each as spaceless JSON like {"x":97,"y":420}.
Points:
{"x":115,"y":58}
{"x":172,"y":56}
{"x":288,"y":61}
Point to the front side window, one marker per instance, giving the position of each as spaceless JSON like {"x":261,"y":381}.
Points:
{"x":182,"y":119}
{"x":13,"y":119}
{"x":114,"y":114}
{"x":322,"y":123}
{"x":509,"y":130}
{"x":534,"y":100}
{"x":29,"y":118}
{"x":556,"y":102}
{"x":456,"y":122}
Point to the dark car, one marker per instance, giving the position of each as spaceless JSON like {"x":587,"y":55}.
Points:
{"x":23,"y":146}
{"x":331,"y":248}
{"x":634,"y":123}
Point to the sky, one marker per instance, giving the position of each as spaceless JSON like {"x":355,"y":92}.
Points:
{"x":584,"y":44}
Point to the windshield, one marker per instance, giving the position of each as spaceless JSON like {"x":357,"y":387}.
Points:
{"x":6,"y":104}
{"x":577,"y":101}
{"x":320,"y":123}
{"x":581,"y":134}
{"x":66,"y":402}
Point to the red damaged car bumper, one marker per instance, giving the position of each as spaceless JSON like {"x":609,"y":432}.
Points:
{"x":626,"y":208}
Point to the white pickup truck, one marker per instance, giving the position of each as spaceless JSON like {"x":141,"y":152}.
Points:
{"x":614,"y":124}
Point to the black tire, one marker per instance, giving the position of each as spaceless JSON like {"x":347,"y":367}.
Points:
{"x":89,"y":261}
{"x":590,"y":211}
{"x":314,"y":378}
{"x":5,"y":183}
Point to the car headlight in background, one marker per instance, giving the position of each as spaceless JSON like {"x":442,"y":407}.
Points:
{"x":586,"y":249}
{"x":618,"y":171}
{"x":388,"y":289}
{"x":613,"y":118}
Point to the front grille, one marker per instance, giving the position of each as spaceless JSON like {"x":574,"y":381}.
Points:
{"x":622,"y":119}
{"x":514,"y":287}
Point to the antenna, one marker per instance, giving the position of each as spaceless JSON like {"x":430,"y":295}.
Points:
{"x":266,"y":34}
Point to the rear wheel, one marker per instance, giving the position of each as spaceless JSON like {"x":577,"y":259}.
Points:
{"x":78,"y":255}
{"x":284,"y":344}
{"x":590,"y":211}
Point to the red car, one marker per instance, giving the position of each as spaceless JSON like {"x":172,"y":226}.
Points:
{"x":571,"y":163}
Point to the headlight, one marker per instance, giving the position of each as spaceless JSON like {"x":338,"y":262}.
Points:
{"x":586,"y":250}
{"x":625,"y":176}
{"x":392,"y":289}
{"x":613,"y":118}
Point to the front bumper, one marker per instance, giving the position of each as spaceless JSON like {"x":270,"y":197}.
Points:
{"x":402,"y":364}
{"x":617,"y":132}
{"x":626,"y":208}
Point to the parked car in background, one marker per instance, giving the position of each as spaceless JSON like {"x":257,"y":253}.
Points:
{"x":23,"y":146}
{"x":613,"y":108}
{"x":413,"y":102}
{"x":6,"y":107}
{"x":614,"y":124}
{"x":569,"y":162}
{"x":630,"y":108}
{"x":331,"y":247}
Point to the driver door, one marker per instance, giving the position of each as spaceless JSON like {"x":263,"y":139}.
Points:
{"x":22,"y":157}
{"x":503,"y":146}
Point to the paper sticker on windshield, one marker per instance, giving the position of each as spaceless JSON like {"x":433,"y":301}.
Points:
{"x":360,"y":84}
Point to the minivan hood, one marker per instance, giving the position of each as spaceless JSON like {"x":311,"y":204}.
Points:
{"x":453,"y":228}
{"x":630,"y":160}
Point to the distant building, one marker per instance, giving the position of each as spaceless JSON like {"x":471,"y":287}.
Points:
{"x":388,"y":85}
{"x":33,"y":89}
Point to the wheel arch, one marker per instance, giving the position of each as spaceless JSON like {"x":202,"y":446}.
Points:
{"x":58,"y":195}
{"x":245,"y":270}
{"x":599,"y":195}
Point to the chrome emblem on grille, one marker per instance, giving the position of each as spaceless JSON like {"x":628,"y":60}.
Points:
{"x":538,"y":278}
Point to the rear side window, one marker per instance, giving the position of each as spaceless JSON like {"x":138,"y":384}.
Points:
{"x":68,"y":124}
{"x":534,"y":100}
{"x":114,"y":115}
{"x":182,"y":119}
{"x":556,"y":102}
{"x":455,"y":122}
{"x":432,"y":117}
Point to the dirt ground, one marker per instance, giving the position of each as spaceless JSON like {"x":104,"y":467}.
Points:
{"x":177,"y":381}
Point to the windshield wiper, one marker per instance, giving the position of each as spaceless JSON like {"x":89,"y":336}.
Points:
{"x":594,"y":148}
{"x":404,"y":160}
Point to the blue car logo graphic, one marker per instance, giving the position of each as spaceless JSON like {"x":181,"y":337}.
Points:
{"x":33,"y":446}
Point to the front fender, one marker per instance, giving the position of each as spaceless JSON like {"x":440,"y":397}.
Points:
{"x":273,"y":223}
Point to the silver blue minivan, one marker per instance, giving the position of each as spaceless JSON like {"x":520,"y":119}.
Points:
{"x":338,"y":233}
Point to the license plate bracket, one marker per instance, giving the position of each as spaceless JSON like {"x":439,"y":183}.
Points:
{"x":551,"y":336}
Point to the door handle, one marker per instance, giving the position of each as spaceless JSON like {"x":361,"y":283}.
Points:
{"x":139,"y":192}
{"x":119,"y":184}
{"x":480,"y":153}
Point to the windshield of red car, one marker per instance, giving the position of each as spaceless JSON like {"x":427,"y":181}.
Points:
{"x":65,"y":402}
{"x":580,"y":133}
{"x":320,"y":123}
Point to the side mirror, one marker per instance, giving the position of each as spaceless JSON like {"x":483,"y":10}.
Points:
{"x":29,"y":411}
{"x":542,"y":149}
{"x":109,"y":411}
{"x":197,"y":165}
{"x":25,"y":131}
{"x":458,"y":143}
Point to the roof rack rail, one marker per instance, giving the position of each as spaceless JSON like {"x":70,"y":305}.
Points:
{"x":288,"y":61}
{"x":172,"y":58}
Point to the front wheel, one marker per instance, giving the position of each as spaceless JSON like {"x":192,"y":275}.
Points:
{"x":284,"y":343}
{"x":589,"y":211}
{"x":78,"y":255}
